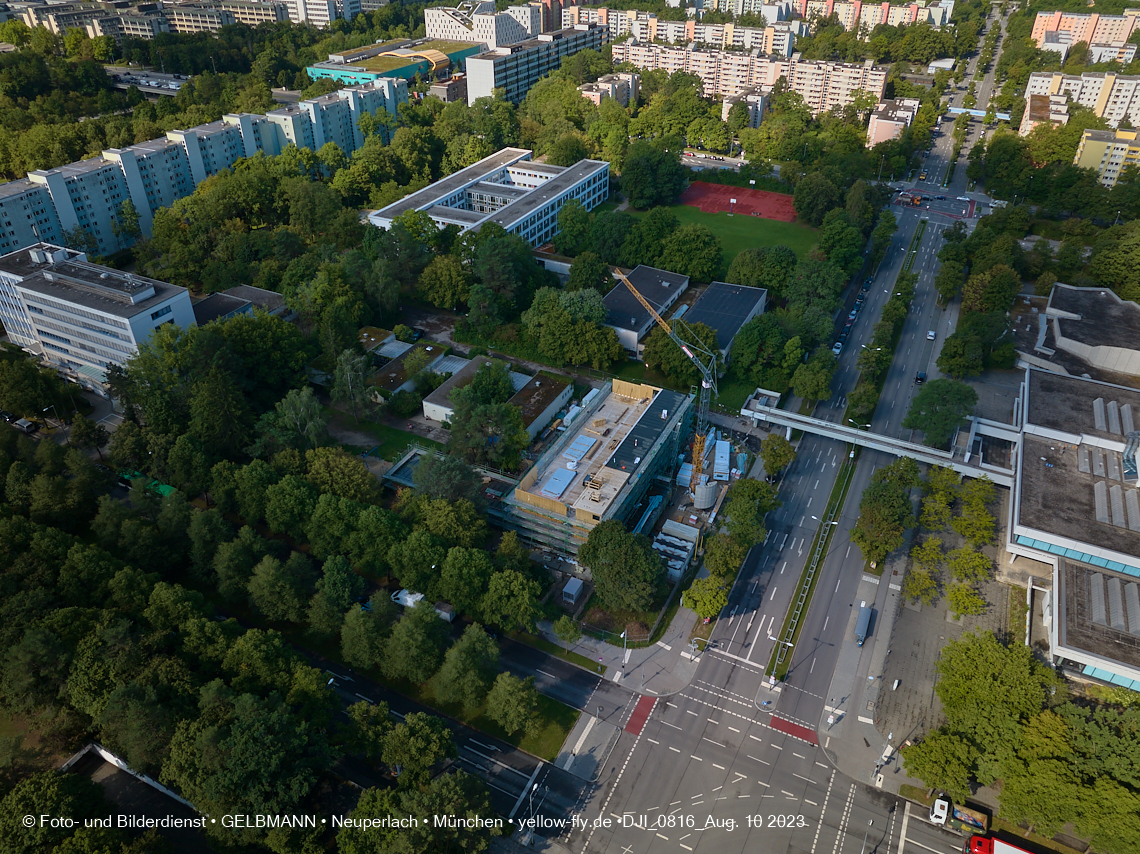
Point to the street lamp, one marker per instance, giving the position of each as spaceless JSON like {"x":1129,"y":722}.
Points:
{"x":56,"y":411}
{"x":825,"y":523}
{"x":857,"y":424}
{"x":865,"y":835}
{"x":872,"y":349}
{"x":777,"y":640}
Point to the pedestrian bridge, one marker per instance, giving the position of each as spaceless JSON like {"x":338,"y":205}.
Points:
{"x":757,"y":409}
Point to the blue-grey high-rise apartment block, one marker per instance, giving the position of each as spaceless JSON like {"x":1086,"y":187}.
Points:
{"x":89,"y":194}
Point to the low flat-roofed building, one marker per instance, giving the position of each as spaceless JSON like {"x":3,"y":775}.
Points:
{"x":540,"y":399}
{"x":628,"y":317}
{"x":394,"y":376}
{"x":437,"y":406}
{"x":263,"y":299}
{"x":626,"y":436}
{"x":1075,"y":505}
{"x":220,"y":307}
{"x":452,"y":89}
{"x":1096,"y":326}
{"x":726,"y":308}
{"x":509,"y":189}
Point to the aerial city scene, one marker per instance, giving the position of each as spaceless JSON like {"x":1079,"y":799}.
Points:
{"x":614,"y":427}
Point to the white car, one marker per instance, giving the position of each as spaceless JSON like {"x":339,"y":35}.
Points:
{"x":931,"y":335}
{"x":939,"y":811}
{"x":838,"y":348}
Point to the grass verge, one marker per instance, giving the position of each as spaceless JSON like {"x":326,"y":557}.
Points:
{"x":555,"y":650}
{"x":834,"y":503}
{"x":739,"y":232}
{"x":914,"y":793}
{"x":391,"y":442}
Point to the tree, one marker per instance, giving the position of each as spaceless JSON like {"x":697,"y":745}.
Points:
{"x":812,"y":380}
{"x":376,"y":828}
{"x":748,"y":502}
{"x":88,"y":435}
{"x":663,"y":354}
{"x":337,"y":472}
{"x":276,"y":591}
{"x":707,"y":596}
{"x":767,"y":267}
{"x":573,"y":228}
{"x":300,"y":418}
{"x":964,"y":600}
{"x":513,"y":703}
{"x":468,"y":669}
{"x":928,"y":556}
{"x":444,"y":282}
{"x":364,"y":632}
{"x":567,"y":630}
{"x":884,"y":514}
{"x":443,"y":476}
{"x":251,"y":482}
{"x":961,"y":356}
{"x":940,"y":409}
{"x":219,"y":414}
{"x":368,"y":726}
{"x":692,"y":250}
{"x":289,"y":504}
{"x":969,"y":565}
{"x":776,"y":453}
{"x":627,"y":572}
{"x":511,"y":602}
{"x":464,"y":577}
{"x":651,"y":176}
{"x":942,"y":760}
{"x":414,"y":648}
{"x":414,"y":746}
{"x":815,"y":195}
{"x":47,"y":793}
{"x":920,"y":586}
{"x":589,"y":271}
{"x":349,"y":381}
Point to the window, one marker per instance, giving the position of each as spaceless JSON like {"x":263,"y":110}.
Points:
{"x":162,"y":312}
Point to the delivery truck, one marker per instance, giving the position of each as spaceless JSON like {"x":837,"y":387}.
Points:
{"x":863,"y":625}
{"x":982,"y":845}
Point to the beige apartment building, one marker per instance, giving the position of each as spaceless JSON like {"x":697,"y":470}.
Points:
{"x":1108,"y":152}
{"x":857,"y":15}
{"x":823,"y":85}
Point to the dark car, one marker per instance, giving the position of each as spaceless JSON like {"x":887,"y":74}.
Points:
{"x":920,"y":377}
{"x":417,"y":334}
{"x":7,"y":416}
{"x":843,"y":336}
{"x":866,"y":286}
{"x":940,"y":198}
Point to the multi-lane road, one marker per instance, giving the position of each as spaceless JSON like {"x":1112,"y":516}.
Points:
{"x":727,"y":764}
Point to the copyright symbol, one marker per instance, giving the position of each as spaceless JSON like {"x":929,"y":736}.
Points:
{"x":29,"y":821}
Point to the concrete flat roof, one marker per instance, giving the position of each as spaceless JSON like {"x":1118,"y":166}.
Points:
{"x":20,"y":263}
{"x":454,"y":182}
{"x":216,"y":306}
{"x":1057,"y":498}
{"x":724,"y":307}
{"x":1067,"y":403}
{"x":81,"y":283}
{"x":1081,"y":625}
{"x":464,"y":376}
{"x":647,"y":430}
{"x":566,"y":178}
{"x":1105,"y":319}
{"x":534,"y":397}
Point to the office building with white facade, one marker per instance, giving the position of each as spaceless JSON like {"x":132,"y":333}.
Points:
{"x":515,"y":68}
{"x":478,"y":21}
{"x":156,"y":173}
{"x":82,"y":316}
{"x":509,"y":189}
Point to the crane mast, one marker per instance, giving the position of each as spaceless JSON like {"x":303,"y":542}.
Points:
{"x":705,"y":363}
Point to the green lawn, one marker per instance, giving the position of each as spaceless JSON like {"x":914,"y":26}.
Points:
{"x":739,"y":232}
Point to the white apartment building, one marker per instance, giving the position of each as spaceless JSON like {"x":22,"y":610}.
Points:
{"x":615,"y":22}
{"x":509,"y":189}
{"x":1112,"y":97}
{"x":778,"y":38}
{"x":79,"y":315}
{"x":755,"y":101}
{"x":772,"y":12}
{"x":320,"y":13}
{"x":823,"y":85}
{"x":515,"y":68}
{"x":477,"y":21}
{"x":156,"y":173}
{"x":622,"y":88}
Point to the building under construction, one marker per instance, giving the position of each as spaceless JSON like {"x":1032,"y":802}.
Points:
{"x":626,"y":436}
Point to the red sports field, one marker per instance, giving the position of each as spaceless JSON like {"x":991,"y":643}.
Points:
{"x":713,"y":198}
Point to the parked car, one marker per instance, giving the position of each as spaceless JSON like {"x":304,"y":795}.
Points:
{"x":417,"y":334}
{"x":6,"y":415}
{"x":843,"y":336}
{"x":837,"y":348}
{"x":854,"y":312}
{"x":25,"y":426}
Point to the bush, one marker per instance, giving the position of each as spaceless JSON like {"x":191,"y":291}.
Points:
{"x":405,"y":404}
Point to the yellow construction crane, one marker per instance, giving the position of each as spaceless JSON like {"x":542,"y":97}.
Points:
{"x":705,"y":362}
